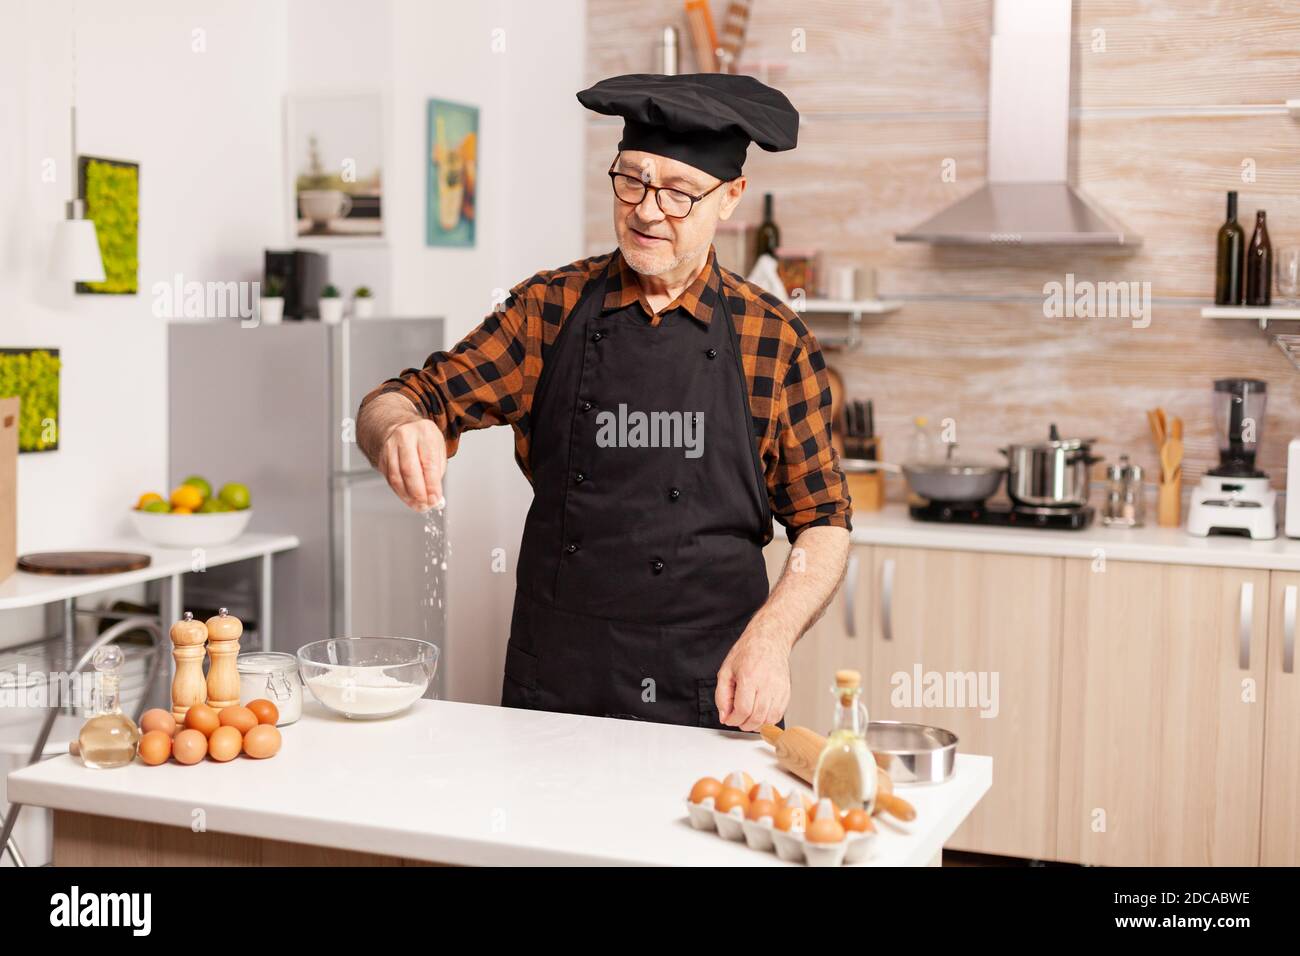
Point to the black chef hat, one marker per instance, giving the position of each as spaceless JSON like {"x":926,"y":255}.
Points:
{"x":706,"y":120}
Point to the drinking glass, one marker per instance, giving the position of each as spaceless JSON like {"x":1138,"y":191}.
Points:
{"x":1288,"y":273}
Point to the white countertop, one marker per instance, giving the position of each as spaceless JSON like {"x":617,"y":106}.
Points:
{"x":893,"y":526}
{"x":479,"y":785}
{"x":22,"y":589}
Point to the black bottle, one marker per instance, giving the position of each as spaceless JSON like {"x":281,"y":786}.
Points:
{"x":1229,"y":256}
{"x":1259,"y":264}
{"x":768,"y":239}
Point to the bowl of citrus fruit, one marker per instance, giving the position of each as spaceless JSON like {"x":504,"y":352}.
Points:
{"x":194,"y":515}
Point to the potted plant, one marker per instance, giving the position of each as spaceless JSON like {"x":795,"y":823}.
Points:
{"x":331,"y":306}
{"x":271,"y":310}
{"x":363,"y":304}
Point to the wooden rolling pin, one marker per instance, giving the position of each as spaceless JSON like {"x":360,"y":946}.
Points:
{"x":797,"y":750}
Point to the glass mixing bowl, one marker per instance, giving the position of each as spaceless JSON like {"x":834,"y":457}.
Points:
{"x":368,"y":677}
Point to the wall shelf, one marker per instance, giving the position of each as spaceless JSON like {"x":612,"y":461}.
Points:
{"x":1261,"y":313}
{"x":855,"y":309}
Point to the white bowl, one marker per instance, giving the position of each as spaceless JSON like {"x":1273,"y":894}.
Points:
{"x":190,"y":531}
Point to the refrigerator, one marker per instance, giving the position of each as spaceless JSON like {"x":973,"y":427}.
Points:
{"x":274,"y":407}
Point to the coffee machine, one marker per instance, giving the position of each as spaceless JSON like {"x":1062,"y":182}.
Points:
{"x":1236,"y":497}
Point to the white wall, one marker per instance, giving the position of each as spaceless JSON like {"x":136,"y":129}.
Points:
{"x":205,"y":129}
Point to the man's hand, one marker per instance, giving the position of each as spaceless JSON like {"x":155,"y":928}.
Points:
{"x":754,"y":680}
{"x":406,"y":448}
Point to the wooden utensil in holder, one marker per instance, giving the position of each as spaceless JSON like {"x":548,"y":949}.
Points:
{"x":224,"y":630}
{"x":1168,"y":436}
{"x":188,"y":686}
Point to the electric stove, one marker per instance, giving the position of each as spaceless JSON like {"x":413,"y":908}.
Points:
{"x":1003,"y":515}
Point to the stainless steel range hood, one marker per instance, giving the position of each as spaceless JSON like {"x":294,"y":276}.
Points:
{"x":1027,"y":200}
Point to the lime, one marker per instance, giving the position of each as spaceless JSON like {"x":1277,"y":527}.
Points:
{"x":211,"y":506}
{"x":235,"y":495}
{"x":159,"y":506}
{"x":201,"y":483}
{"x":146,"y":498}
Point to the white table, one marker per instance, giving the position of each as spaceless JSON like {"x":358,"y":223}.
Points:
{"x":451,"y":783}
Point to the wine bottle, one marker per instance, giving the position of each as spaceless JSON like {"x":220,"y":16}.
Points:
{"x":1259,"y":264}
{"x":1231,"y":251}
{"x":768,"y":239}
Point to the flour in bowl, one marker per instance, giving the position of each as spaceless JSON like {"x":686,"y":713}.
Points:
{"x":364,"y":691}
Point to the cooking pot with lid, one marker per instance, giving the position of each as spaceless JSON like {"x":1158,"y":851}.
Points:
{"x":1052,"y":473}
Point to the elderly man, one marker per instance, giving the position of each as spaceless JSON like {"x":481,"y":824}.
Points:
{"x":664,"y":410}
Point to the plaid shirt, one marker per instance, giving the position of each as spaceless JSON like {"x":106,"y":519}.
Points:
{"x":490,"y":376}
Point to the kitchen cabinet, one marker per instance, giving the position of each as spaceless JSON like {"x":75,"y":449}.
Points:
{"x":1280,"y":827}
{"x":971,"y":642}
{"x":1163,"y":714}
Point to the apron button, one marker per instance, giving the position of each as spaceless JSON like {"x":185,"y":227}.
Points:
{"x":587,"y":406}
{"x":580,"y":477}
{"x":712,"y":353}
{"x":572,"y":549}
{"x":597,"y":336}
{"x":657,"y":565}
{"x":674,"y":494}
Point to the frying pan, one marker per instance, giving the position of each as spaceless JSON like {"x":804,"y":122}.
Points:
{"x":949,"y":480}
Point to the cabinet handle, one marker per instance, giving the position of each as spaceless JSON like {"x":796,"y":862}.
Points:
{"x":1288,"y":630}
{"x":850,"y":599}
{"x":1246,"y":624}
{"x":887,"y":599}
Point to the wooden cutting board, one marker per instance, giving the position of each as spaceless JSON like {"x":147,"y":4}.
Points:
{"x":83,"y":562}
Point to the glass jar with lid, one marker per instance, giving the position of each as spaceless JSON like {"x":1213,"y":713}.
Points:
{"x":273,"y":676}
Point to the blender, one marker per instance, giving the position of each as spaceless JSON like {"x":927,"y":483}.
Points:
{"x":1236,"y":497}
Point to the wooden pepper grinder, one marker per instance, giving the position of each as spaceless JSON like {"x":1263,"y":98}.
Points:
{"x":188,"y":686}
{"x":223,"y":647}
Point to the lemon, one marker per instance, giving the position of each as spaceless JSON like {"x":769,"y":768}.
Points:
{"x":201,"y":483}
{"x":182,"y":511}
{"x":159,"y":506}
{"x":235,"y":495}
{"x":147,"y":498}
{"x":187,"y":496}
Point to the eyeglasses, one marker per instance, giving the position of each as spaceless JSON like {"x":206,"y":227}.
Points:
{"x":673,"y":203}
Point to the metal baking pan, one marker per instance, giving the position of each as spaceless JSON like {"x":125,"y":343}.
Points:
{"x":913,"y":753}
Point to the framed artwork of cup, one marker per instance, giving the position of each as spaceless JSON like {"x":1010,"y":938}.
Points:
{"x":334,"y":151}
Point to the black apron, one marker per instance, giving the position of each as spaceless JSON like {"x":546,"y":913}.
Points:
{"x":640,"y":566}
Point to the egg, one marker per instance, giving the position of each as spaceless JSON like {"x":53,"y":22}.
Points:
{"x":262,"y":741}
{"x":760,"y":808}
{"x":730,"y":798}
{"x":756,"y":792}
{"x":790,"y":819}
{"x":225,"y":743}
{"x":265,"y":711}
{"x":156,"y":746}
{"x":190,"y":746}
{"x":202,"y":718}
{"x":706,"y":788}
{"x":241,"y":718}
{"x":858,"y":821}
{"x":158,"y":719}
{"x":825,"y":829}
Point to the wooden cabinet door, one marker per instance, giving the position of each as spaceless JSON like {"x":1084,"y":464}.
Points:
{"x":1162,"y":722}
{"x":835,"y":641}
{"x":1280,"y":845}
{"x":966,"y":620}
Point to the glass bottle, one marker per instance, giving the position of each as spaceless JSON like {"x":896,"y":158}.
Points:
{"x":1230,"y":254}
{"x":1259,"y":263}
{"x":110,"y":738}
{"x":846,"y":769}
{"x":768,"y":238}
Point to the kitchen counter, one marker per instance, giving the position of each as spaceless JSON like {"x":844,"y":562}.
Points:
{"x":894,"y":527}
{"x":452,"y":783}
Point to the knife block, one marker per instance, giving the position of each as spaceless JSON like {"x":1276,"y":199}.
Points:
{"x":867,"y":488}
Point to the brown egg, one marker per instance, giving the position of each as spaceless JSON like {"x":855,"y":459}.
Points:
{"x":156,"y":746}
{"x":858,"y":820}
{"x":704,"y":788}
{"x":241,"y":718}
{"x":190,"y":746}
{"x":729,"y":798}
{"x":265,"y":711}
{"x":225,"y":744}
{"x":202,"y":718}
{"x":158,"y":719}
{"x":825,"y":830}
{"x":760,"y":808}
{"x":262,"y":741}
{"x":790,"y":819}
{"x":755,"y":793}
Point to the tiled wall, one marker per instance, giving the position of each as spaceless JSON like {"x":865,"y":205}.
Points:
{"x":1184,"y":93}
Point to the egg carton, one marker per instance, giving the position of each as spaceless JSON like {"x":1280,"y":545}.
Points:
{"x":789,"y":846}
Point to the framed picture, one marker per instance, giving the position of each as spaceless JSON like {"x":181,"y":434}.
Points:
{"x":32,"y":375}
{"x":451,"y":173}
{"x":334,"y":150}
{"x":110,"y":189}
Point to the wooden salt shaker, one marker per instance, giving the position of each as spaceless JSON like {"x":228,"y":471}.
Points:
{"x":223,"y":647}
{"x":188,"y":686}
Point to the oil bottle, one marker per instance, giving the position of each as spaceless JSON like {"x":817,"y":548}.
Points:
{"x":846,"y":769}
{"x":110,"y":738}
